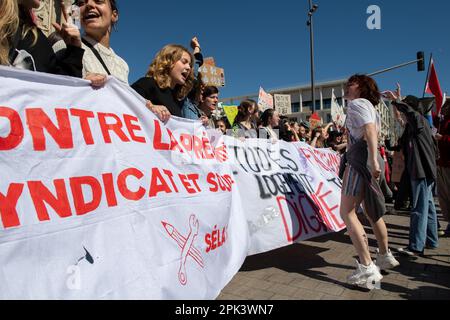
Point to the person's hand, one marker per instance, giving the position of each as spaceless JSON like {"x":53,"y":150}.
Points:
{"x":195,"y":45}
{"x":398,"y":91}
{"x":68,"y":31}
{"x":376,"y":170}
{"x":160,"y":111}
{"x":97,"y":80}
{"x":318,"y":134}
{"x":390,"y":95}
{"x":204,"y":120}
{"x":438,"y":136}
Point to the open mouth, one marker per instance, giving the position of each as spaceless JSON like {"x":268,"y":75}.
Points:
{"x":90,"y":16}
{"x":185,"y":75}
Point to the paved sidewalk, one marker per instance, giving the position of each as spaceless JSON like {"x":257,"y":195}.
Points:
{"x":317,"y":270}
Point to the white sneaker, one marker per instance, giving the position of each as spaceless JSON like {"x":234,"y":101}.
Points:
{"x":386,"y":261}
{"x":365,"y":276}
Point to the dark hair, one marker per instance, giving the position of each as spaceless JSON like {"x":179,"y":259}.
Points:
{"x":244,"y":108}
{"x":224,"y":120}
{"x":368,"y":88}
{"x":111,"y":2}
{"x":208,"y":91}
{"x":114,"y":7}
{"x":266,"y":116}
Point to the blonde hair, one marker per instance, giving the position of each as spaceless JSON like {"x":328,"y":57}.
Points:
{"x":162,"y":65}
{"x":9,"y":22}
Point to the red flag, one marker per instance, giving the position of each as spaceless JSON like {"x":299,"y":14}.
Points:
{"x":434,"y":88}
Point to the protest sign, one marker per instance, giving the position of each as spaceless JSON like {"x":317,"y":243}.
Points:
{"x":283,"y":104}
{"x":265,"y":100}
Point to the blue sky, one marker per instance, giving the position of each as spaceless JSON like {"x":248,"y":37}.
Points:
{"x":267,"y":42}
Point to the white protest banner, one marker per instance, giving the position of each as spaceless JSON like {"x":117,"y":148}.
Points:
{"x":283,"y":104}
{"x":265,"y":100}
{"x":100,"y":200}
{"x":292,"y":191}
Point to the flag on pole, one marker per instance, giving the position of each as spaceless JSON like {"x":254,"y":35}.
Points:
{"x":433,"y":87}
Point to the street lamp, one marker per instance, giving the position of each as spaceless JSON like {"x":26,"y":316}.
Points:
{"x":309,"y":23}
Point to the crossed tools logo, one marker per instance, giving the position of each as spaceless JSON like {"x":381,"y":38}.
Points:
{"x":187,"y":246}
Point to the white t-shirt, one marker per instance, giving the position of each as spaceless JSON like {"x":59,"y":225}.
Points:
{"x":359,"y":113}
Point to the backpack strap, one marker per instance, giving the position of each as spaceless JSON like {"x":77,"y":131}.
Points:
{"x":97,"y":54}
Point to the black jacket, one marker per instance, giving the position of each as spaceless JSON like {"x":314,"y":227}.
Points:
{"x":418,"y":144}
{"x":45,"y":60}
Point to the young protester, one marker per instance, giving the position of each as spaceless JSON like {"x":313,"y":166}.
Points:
{"x":222,"y":125}
{"x":245,"y":125}
{"x":360,"y":180}
{"x":30,"y":49}
{"x":270,"y":120}
{"x":209,"y":101}
{"x":168,"y":81}
{"x":98,"y":19}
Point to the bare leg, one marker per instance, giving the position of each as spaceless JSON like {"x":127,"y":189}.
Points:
{"x":355,"y":228}
{"x":380,"y":231}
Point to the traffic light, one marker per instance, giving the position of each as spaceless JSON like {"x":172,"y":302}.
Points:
{"x":420,"y":61}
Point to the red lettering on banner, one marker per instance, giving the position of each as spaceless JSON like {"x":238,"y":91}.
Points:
{"x":8,"y":205}
{"x":186,"y":141}
{"x":215,"y":181}
{"x":308,"y":154}
{"x":187,"y":185}
{"x":16,"y":133}
{"x":169,"y":174}
{"x":128,"y":119}
{"x":41,"y":195}
{"x":174,"y":145}
{"x":157,"y":187}
{"x":81,"y":206}
{"x":297,"y":212}
{"x":123,"y":187}
{"x":198,"y":147}
{"x":208,"y":151}
{"x":108,"y":182}
{"x":157,"y":139}
{"x":37,"y":121}
{"x":84,"y":124}
{"x":215,"y":239}
{"x":115,"y":127}
{"x":322,"y":204}
{"x":301,"y":222}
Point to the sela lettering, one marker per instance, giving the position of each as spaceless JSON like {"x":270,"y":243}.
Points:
{"x":216,"y":239}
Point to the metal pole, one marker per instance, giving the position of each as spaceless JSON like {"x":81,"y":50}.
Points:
{"x":311,"y":35}
{"x":392,"y":68}
{"x":428,"y":74}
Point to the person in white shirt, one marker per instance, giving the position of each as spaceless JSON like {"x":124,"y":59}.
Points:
{"x":360,"y":181}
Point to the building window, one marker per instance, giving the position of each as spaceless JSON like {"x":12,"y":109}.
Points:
{"x":327,"y":103}
{"x":295,"y":107}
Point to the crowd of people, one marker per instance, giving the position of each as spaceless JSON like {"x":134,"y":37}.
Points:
{"x":173,"y":86}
